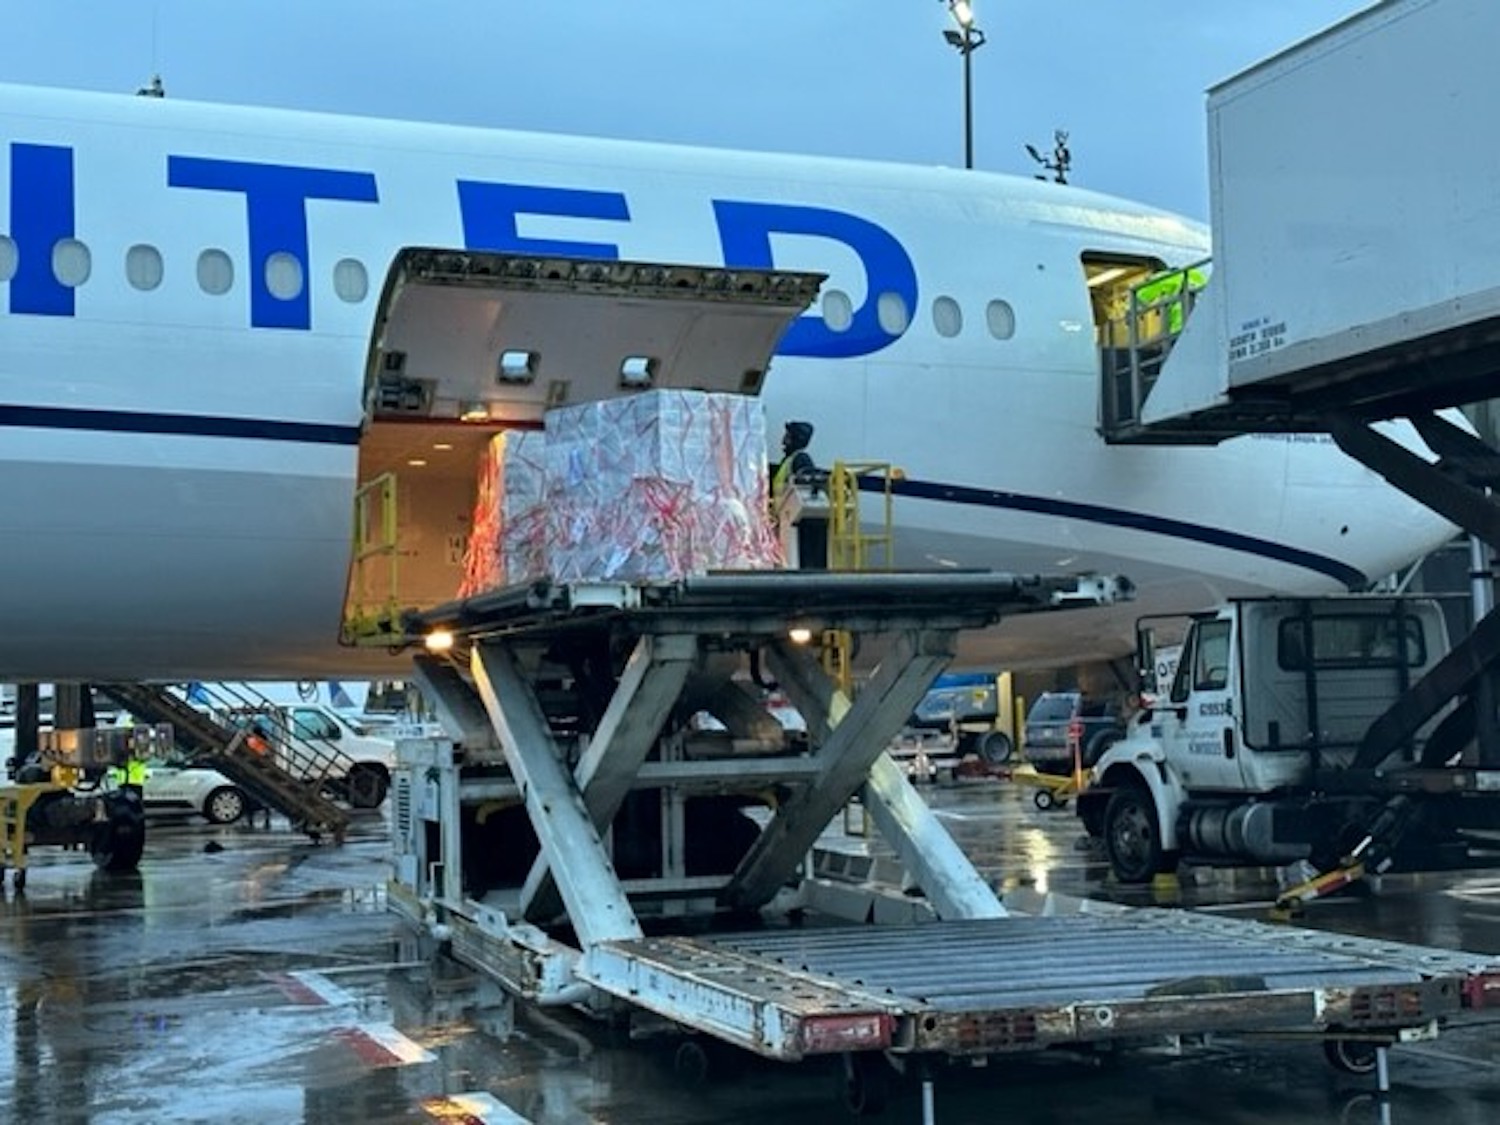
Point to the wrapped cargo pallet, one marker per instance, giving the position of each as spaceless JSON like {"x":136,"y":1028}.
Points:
{"x":659,"y":485}
{"x":507,"y":541}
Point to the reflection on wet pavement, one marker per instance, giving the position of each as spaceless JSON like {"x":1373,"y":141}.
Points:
{"x":266,"y":982}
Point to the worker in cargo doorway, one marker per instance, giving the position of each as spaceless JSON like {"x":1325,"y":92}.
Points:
{"x":797,"y":468}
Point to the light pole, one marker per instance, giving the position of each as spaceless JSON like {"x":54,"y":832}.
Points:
{"x":966,"y":40}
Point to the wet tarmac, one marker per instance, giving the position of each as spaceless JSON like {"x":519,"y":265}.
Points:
{"x":247,"y":975}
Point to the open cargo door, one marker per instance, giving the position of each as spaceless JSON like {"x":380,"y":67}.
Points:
{"x":467,"y":344}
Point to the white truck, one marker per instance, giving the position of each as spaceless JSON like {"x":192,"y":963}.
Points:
{"x":311,"y":741}
{"x":1291,"y":731}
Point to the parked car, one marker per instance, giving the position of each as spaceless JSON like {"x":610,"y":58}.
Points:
{"x":176,"y":787}
{"x":1057,"y":717}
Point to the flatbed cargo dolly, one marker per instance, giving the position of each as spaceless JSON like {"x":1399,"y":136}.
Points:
{"x":556,"y":848}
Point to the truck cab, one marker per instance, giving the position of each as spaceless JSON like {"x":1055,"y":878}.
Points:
{"x":1271,"y":699}
{"x":315,"y":743}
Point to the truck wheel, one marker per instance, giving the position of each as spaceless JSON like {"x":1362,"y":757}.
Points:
{"x":119,"y":841}
{"x":366,"y":785}
{"x":1132,"y":839}
{"x":995,"y":748}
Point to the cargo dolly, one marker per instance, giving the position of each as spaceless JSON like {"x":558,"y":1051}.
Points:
{"x":554,"y":845}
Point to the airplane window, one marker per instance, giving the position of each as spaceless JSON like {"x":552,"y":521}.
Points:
{"x":891,"y":311}
{"x":838,"y":310}
{"x":283,"y":276}
{"x":8,"y":257}
{"x":143,"y":267}
{"x":1001,"y":318}
{"x":350,"y":281}
{"x":947,"y":317}
{"x":215,"y":272}
{"x":71,"y":262}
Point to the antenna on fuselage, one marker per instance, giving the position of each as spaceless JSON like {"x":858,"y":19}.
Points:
{"x":1060,"y":160}
{"x":152,"y":89}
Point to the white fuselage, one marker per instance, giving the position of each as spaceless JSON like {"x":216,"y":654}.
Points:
{"x":188,"y":317}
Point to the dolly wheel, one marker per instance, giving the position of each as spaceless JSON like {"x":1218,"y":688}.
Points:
{"x":1043,"y":799}
{"x":1352,"y":1056}
{"x":690,"y":1063}
{"x":866,"y":1083}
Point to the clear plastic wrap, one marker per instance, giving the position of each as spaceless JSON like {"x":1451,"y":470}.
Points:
{"x":508,"y":539}
{"x":659,"y":485}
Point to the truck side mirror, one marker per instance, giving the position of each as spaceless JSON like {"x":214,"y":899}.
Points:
{"x":1145,"y":659}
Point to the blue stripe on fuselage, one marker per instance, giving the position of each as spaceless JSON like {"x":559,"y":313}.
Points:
{"x":1117,"y":517}
{"x":185,"y":425}
{"x":121,"y":421}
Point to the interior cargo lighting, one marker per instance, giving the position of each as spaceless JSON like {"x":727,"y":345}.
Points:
{"x":439,"y":640}
{"x":416,"y":462}
{"x":801,"y":635}
{"x":637,"y":372}
{"x":1105,"y":276}
{"x":474,"y":412}
{"x":516,"y":366}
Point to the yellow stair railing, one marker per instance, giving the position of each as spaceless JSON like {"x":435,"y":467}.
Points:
{"x":373,"y":609}
{"x":850,"y":548}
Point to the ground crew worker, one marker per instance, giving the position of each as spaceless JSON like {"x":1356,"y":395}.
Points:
{"x":132,"y":773}
{"x":257,"y":741}
{"x":798,"y":467}
{"x":796,"y":461}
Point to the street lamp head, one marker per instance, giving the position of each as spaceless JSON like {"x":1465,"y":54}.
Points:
{"x":955,"y":38}
{"x":962,"y":12}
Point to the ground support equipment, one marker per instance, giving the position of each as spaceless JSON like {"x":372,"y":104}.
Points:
{"x":554,"y":845}
{"x":225,"y":749}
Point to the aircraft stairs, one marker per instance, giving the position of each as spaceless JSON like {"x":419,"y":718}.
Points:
{"x":223,"y":747}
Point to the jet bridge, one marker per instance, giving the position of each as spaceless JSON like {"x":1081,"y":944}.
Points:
{"x":1355,"y":280}
{"x":1355,"y":221}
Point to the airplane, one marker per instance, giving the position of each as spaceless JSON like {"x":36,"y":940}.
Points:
{"x":190,"y":293}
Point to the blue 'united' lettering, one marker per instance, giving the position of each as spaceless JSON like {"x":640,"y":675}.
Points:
{"x":42,"y":207}
{"x":276,"y":198}
{"x":745,"y":231}
{"x":41,"y":213}
{"x":490,"y":211}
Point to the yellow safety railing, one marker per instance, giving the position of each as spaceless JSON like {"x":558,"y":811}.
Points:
{"x":373,"y":607}
{"x":849,"y":547}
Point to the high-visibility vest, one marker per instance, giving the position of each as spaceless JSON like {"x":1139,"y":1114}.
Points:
{"x":132,"y":772}
{"x":800,"y":459}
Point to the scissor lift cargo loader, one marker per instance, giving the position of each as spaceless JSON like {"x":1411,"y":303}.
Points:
{"x":971,"y":981}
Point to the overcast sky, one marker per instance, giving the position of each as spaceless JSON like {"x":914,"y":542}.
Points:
{"x":865,"y":78}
